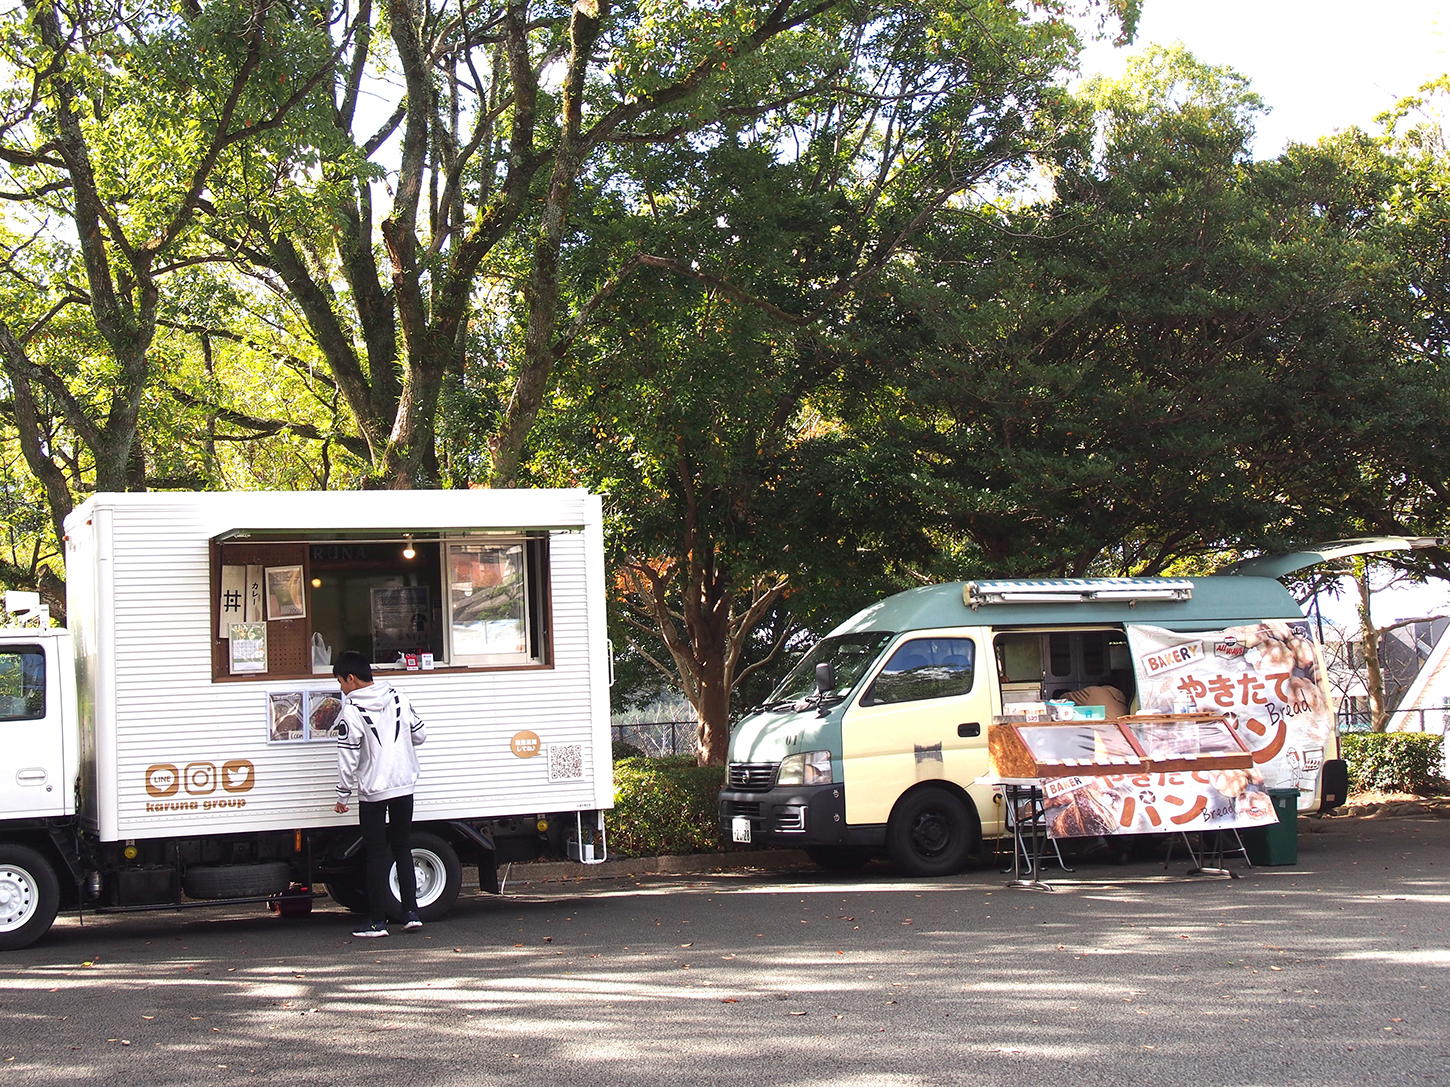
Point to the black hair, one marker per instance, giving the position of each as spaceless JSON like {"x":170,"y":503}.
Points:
{"x":352,"y":663}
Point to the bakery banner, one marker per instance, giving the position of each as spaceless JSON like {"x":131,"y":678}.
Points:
{"x":1267,"y":679}
{"x":1085,"y":807}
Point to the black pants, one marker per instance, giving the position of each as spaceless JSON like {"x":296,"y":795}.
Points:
{"x":387,"y":828}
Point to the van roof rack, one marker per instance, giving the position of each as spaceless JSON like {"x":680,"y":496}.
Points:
{"x":1121,"y":590}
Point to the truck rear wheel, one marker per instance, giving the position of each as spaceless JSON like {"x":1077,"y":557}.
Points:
{"x":932,"y":832}
{"x":437,"y":874}
{"x":350,"y":894}
{"x":29,"y":896}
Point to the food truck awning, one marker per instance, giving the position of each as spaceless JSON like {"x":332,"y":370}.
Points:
{"x":423,"y":515}
{"x":349,"y":515}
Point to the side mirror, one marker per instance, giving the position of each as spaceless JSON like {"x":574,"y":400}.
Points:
{"x":825,"y":677}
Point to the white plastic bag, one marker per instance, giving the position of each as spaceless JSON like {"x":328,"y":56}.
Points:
{"x":321,"y":654}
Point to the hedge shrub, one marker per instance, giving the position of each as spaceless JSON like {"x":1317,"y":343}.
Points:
{"x":1394,"y":762}
{"x":664,"y":807}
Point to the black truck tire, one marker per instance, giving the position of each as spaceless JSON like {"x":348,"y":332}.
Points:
{"x":29,"y":896}
{"x":349,"y":894}
{"x":439,"y":878}
{"x":436,"y":870}
{"x":932,"y":832}
{"x":213,"y":881}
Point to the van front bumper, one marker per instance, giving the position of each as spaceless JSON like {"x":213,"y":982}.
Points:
{"x":796,"y":815}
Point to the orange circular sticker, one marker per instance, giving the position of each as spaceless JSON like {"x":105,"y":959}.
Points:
{"x":525,"y":744}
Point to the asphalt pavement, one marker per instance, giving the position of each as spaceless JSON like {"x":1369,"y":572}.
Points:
{"x":1331,"y":972}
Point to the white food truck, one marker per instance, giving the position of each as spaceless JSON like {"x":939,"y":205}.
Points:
{"x":173,"y":747}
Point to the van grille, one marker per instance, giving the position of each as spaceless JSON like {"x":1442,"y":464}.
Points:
{"x":751,"y":775}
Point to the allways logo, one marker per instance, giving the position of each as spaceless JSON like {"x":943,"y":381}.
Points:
{"x":1229,"y":648}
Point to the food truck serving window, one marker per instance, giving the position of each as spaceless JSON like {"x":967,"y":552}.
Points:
{"x":288,"y":609}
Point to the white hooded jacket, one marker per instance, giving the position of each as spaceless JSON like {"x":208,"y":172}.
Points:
{"x":377,"y":734}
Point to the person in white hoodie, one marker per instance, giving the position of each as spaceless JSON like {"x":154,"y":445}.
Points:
{"x":378,"y":733}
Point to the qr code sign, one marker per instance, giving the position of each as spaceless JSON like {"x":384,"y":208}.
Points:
{"x":566,"y":762}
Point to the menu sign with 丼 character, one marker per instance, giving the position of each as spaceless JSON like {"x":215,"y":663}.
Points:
{"x":232,"y":603}
{"x":240,"y":597}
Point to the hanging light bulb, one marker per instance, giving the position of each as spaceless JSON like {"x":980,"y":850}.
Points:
{"x":408,"y":551}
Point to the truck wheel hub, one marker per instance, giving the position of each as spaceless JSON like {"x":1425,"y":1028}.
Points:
{"x":17,"y":897}
{"x":930,"y":834}
{"x":430,"y":875}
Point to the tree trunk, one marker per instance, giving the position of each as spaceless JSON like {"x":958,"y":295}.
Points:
{"x":1374,"y":679}
{"x":712,"y":711}
{"x":706,"y":636}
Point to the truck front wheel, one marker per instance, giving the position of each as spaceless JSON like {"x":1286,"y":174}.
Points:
{"x":29,"y":896}
{"x":932,"y":832}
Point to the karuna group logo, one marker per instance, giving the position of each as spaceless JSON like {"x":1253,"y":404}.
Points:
{"x":163,"y":779}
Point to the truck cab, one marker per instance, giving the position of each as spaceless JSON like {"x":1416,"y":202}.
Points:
{"x":38,"y":716}
{"x":39,"y":773}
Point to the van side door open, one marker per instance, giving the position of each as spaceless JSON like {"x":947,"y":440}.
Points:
{"x":1035,"y":666}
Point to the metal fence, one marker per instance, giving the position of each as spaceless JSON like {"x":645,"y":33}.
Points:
{"x":1432,"y":719}
{"x":656,"y":738}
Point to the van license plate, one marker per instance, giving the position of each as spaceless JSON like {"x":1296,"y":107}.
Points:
{"x":740,"y":829}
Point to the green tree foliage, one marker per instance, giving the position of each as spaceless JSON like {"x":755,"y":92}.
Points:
{"x":461,"y":272}
{"x":706,"y":397}
{"x":664,"y":807}
{"x":1409,"y":762}
{"x":1181,"y":352}
{"x":113,"y":125}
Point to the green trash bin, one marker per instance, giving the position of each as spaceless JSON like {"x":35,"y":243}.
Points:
{"x":1277,"y":843}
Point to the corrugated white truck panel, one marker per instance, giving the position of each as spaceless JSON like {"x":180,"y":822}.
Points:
{"x":153,"y":634}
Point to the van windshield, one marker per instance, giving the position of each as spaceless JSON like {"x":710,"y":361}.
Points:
{"x":849,"y":655}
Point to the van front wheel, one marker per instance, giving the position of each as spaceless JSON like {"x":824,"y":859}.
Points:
{"x":932,"y":832}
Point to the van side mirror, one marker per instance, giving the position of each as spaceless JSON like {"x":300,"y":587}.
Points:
{"x":825,"y":677}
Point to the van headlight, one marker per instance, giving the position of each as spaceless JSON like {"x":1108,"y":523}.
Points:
{"x":808,"y":768}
